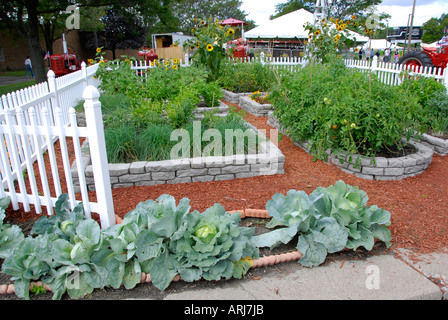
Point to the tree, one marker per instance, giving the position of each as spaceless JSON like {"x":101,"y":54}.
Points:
{"x":341,"y":9}
{"x":204,"y":9}
{"x":433,"y":28}
{"x":121,"y":30}
{"x":26,"y":17}
{"x":292,"y":5}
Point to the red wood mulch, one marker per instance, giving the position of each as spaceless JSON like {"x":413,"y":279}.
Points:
{"x":418,"y":205}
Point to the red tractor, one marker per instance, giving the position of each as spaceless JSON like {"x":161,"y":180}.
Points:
{"x":429,"y":57}
{"x":148,"y":54}
{"x":63,"y":64}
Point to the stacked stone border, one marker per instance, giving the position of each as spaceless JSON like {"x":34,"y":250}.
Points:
{"x":379,"y":168}
{"x":253,"y":107}
{"x":221,"y":111}
{"x":440,"y":146}
{"x":232,"y":97}
{"x":268,"y":161}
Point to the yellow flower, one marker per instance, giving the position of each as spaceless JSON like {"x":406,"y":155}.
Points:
{"x":317,"y":32}
{"x":353,"y":125}
{"x":301,"y":54}
{"x":209,"y":47}
{"x":167,"y":63}
{"x":231,"y":31}
{"x":175,"y":60}
{"x":98,"y":50}
{"x":353,"y":17}
{"x":175,"y":66}
{"x":203,"y":22}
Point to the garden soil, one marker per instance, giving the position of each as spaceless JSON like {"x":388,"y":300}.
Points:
{"x":418,"y":207}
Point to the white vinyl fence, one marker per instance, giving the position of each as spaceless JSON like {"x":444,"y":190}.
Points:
{"x":388,"y":73}
{"x":31,"y":121}
{"x":392,"y":73}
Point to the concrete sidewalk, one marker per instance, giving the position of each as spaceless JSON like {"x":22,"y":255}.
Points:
{"x":379,"y":277}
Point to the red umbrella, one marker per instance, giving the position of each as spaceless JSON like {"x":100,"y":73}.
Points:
{"x":233,"y":22}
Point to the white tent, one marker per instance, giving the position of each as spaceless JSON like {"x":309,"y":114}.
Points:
{"x":289,"y":26}
{"x":379,"y":44}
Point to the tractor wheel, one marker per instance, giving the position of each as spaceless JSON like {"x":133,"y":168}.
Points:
{"x":416,"y":60}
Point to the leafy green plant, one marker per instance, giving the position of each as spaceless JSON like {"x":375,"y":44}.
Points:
{"x":344,"y":111}
{"x":208,"y":45}
{"x":327,"y":221}
{"x":247,"y":77}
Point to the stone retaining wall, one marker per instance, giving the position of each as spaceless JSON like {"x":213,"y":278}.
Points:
{"x":222,"y":110}
{"x":253,"y":107}
{"x":267,"y":162}
{"x":381,"y":168}
{"x":231,"y":97}
{"x":440,"y":146}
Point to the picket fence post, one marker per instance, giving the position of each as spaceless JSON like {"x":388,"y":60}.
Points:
{"x":94,"y":123}
{"x":445,"y":78}
{"x":51,"y":76}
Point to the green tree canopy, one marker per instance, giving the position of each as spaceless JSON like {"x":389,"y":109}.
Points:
{"x":433,"y":28}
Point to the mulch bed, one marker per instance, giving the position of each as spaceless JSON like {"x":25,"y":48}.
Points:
{"x":418,"y":205}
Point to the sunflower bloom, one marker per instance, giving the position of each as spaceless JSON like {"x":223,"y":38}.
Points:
{"x":98,"y":50}
{"x":209,"y":47}
{"x":175,"y":66}
{"x":231,"y":31}
{"x":317,"y":32}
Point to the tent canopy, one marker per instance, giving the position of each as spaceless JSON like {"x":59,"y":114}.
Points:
{"x":233,"y":22}
{"x":379,"y":44}
{"x":290,"y":26}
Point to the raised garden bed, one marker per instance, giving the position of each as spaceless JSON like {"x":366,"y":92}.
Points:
{"x":268,"y":161}
{"x":233,"y":97}
{"x":221,"y":111}
{"x":253,"y":107}
{"x":382,"y":168}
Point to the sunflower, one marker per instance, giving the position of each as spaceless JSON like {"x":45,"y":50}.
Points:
{"x":366,"y":31}
{"x":209,"y":47}
{"x":353,"y":17}
{"x":203,"y":22}
{"x":231,"y":31}
{"x":175,"y":60}
{"x":317,"y":32}
{"x":98,"y":50}
{"x":167,"y":63}
{"x":175,"y":66}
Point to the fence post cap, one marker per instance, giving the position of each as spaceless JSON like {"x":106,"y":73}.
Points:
{"x":90,"y":92}
{"x":51,"y":74}
{"x":83,"y":64}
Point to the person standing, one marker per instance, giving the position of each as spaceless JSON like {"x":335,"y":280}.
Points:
{"x":29,"y":67}
{"x":396,"y":57}
{"x":387,"y":55}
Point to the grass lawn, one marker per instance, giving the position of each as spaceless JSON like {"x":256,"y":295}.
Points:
{"x":15,"y":86}
{"x":16,"y":73}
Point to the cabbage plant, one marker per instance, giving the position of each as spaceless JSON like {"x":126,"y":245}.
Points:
{"x":211,"y":246}
{"x":327,"y":221}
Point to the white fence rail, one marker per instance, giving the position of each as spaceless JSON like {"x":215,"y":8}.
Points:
{"x":31,"y":121}
{"x":392,"y":73}
{"x":388,"y":73}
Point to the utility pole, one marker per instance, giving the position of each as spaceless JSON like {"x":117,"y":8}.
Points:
{"x":410,"y":29}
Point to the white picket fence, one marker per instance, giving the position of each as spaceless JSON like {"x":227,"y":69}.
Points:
{"x":31,"y":121}
{"x":388,"y":73}
{"x":392,"y":73}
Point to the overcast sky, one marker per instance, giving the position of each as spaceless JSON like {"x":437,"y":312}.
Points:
{"x":259,"y":10}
